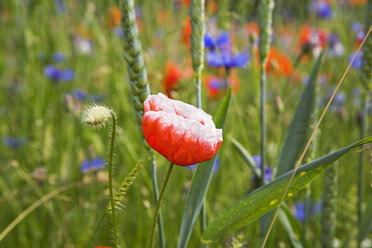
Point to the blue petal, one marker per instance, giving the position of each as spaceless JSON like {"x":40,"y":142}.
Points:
{"x":98,"y":163}
{"x":240,"y":59}
{"x":67,"y":75}
{"x":58,"y":57}
{"x":214,"y":59}
{"x":223,"y":39}
{"x":209,"y":41}
{"x":85,"y":165}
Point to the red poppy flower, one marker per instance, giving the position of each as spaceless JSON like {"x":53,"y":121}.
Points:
{"x":182,"y":133}
{"x":278,"y":63}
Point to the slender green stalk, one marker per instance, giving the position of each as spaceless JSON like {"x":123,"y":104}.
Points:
{"x":197,"y":56}
{"x":113,"y":217}
{"x":139,"y":85}
{"x":265,"y":13}
{"x":157,"y":209}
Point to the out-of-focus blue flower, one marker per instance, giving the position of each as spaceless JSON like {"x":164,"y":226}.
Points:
{"x":85,"y":165}
{"x":57,"y":74}
{"x":300,"y":210}
{"x":96,"y":98}
{"x":356,"y":27}
{"x":92,"y":165}
{"x":98,"y":163}
{"x":209,"y":41}
{"x":357,"y":63}
{"x":13,"y":142}
{"x":216,"y":165}
{"x":268,"y":170}
{"x":60,"y":6}
{"x":79,"y":95}
{"x":58,"y":57}
{"x":322,"y":9}
{"x":118,"y":31}
{"x":224,"y":57}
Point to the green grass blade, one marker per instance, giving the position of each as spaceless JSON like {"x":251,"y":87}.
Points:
{"x":286,"y":218}
{"x":262,"y":200}
{"x":246,"y":157}
{"x":291,"y":225}
{"x":295,"y":138}
{"x":200,"y":182}
{"x":366,"y":223}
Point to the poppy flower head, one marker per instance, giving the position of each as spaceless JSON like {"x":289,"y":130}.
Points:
{"x":279,"y":63}
{"x":182,"y":133}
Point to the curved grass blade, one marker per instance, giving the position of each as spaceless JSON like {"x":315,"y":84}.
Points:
{"x":295,"y":138}
{"x":287,"y":225}
{"x":200,"y":182}
{"x":247,"y":157}
{"x":262,"y":200}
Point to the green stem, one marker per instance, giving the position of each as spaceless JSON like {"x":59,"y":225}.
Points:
{"x":116,"y":239}
{"x":156,"y":196}
{"x":152,"y":236}
{"x":263,"y":122}
{"x":363,"y":131}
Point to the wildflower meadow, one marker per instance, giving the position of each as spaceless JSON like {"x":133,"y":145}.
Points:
{"x":186,"y":123}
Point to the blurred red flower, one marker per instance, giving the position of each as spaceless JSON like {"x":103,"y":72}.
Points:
{"x":182,"y":133}
{"x":172,"y":75}
{"x":186,"y":32}
{"x":278,"y":63}
{"x":115,"y":16}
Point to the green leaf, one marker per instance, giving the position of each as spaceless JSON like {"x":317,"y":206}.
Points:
{"x":247,"y":157}
{"x":200,"y":181}
{"x":298,"y":130}
{"x":365,"y":226}
{"x":286,"y":218}
{"x":262,"y":200}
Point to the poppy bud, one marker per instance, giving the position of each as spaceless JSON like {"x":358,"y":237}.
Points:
{"x":182,"y":133}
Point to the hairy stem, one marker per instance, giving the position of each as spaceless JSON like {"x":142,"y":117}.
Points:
{"x":113,"y":218}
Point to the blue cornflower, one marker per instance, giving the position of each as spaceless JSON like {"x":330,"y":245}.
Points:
{"x":215,"y":167}
{"x":268,"y":170}
{"x":322,"y":9}
{"x":118,"y":31}
{"x":357,"y":63}
{"x":12,"y":142}
{"x":58,"y":57}
{"x":79,"y":95}
{"x":300,"y":210}
{"x":57,"y":74}
{"x":92,"y":165}
{"x":224,"y":57}
{"x":60,"y":6}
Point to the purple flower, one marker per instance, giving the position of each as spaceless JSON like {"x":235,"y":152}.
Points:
{"x":215,"y":167}
{"x":12,"y":142}
{"x":57,"y":74}
{"x":300,"y":210}
{"x":60,"y":6}
{"x":79,"y":95}
{"x":58,"y":57}
{"x":322,"y":9}
{"x":224,"y":57}
{"x":268,"y":170}
{"x":92,"y":165}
